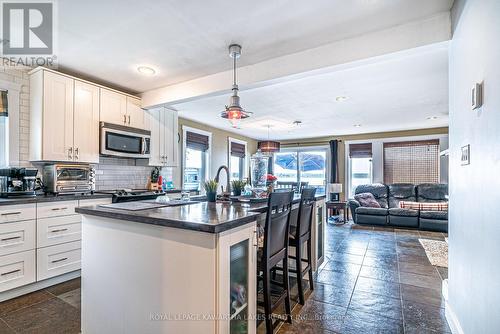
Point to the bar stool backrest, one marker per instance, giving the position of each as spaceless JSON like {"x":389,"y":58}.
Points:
{"x":306,"y":207}
{"x":277,"y":225}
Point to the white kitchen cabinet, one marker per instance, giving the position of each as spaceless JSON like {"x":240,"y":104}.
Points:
{"x":86,"y":118}
{"x":163,"y":124}
{"x":64,"y":118}
{"x":113,"y":107}
{"x":135,"y":114}
{"x":118,"y":108}
{"x":17,"y":270}
{"x":17,"y":237}
{"x":57,"y":260}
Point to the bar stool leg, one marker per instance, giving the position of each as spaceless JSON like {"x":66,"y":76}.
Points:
{"x":298,"y":267}
{"x":309,"y":262}
{"x":286,"y":285}
{"x":267,"y":302}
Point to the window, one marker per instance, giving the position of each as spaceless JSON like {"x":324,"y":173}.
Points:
{"x":196,"y":149}
{"x":237,"y":159}
{"x":302,"y":166}
{"x":411,"y":162}
{"x":360,"y":166}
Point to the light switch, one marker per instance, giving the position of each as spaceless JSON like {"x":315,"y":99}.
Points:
{"x":477,"y":96}
{"x":465,"y":158}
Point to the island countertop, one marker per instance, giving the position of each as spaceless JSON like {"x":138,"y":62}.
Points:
{"x":203,"y":217}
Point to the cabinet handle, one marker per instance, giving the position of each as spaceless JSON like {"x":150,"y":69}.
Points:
{"x":11,"y":272}
{"x":11,"y":238}
{"x":70,"y":153}
{"x":77,"y":152}
{"x":255,"y":238}
{"x":129,"y":119}
{"x":57,"y":209}
{"x":11,"y":213}
{"x":60,"y":260}
{"x":124,"y":119}
{"x":59,"y":230}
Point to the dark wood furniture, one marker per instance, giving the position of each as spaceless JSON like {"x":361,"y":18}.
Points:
{"x":337,"y":206}
{"x":273,"y":253}
{"x":300,"y":234}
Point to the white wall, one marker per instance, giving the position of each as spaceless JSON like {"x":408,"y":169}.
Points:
{"x":474,"y":231}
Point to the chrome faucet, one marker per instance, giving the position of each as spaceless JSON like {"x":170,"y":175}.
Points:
{"x":228,"y":185}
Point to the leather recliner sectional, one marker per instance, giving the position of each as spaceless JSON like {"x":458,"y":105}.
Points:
{"x":389,"y":213}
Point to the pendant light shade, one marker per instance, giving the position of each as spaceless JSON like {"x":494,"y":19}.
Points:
{"x":4,"y":104}
{"x":268,"y":146}
{"x":234,"y":112}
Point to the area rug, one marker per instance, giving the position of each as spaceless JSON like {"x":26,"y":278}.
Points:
{"x":436,"y":251}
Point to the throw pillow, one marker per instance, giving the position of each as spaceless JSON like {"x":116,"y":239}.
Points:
{"x":367,"y":200}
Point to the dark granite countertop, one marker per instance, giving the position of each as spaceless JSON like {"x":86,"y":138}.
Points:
{"x":203,"y":217}
{"x":50,"y":198}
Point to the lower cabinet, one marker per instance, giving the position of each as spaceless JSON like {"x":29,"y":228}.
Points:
{"x":17,"y":237}
{"x":17,"y":270}
{"x":237,"y":280}
{"x":57,"y":230}
{"x":57,"y":260}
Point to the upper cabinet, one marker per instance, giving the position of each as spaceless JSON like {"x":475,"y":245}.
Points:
{"x":163,"y":124}
{"x":65,"y":115}
{"x":64,"y":119}
{"x":121,"y":109}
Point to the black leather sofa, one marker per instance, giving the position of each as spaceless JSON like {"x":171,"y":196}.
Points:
{"x":389,"y":213}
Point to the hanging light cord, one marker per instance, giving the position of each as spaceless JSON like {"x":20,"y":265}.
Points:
{"x":234,"y":69}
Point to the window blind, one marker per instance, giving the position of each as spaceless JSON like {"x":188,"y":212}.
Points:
{"x":196,"y":141}
{"x":237,"y":150}
{"x":411,"y":162}
{"x":363,"y":150}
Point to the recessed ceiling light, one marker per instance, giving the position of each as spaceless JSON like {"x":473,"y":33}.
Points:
{"x":146,"y":70}
{"x":341,"y":98}
{"x":432,"y":118}
{"x":357,"y":125}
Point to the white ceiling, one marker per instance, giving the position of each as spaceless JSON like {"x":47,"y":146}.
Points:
{"x":395,"y":92}
{"x":107,"y":40}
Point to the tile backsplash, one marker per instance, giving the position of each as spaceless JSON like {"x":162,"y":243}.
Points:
{"x":119,"y":173}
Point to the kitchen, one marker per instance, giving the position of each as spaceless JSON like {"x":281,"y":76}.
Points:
{"x":86,"y":156}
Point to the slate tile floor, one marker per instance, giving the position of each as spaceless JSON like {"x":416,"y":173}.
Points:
{"x":374,"y":280}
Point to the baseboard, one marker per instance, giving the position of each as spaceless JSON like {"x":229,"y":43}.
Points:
{"x":32,"y":287}
{"x":452,"y":320}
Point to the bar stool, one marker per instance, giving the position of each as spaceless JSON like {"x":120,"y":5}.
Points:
{"x":274,"y":252}
{"x":299,"y":234}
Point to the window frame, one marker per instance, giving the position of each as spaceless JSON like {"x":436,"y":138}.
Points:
{"x":244,"y":168}
{"x":208,"y":153}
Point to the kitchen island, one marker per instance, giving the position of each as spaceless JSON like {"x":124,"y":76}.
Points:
{"x":179,"y":269}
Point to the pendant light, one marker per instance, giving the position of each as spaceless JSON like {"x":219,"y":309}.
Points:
{"x":268,"y":146}
{"x":4,"y":104}
{"x":234,"y":112}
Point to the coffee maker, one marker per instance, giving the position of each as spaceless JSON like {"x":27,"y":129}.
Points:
{"x":18,"y":182}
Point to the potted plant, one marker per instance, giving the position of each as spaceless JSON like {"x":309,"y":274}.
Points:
{"x":271,"y":179}
{"x":211,"y":190}
{"x":238,"y":186}
{"x":155,"y":175}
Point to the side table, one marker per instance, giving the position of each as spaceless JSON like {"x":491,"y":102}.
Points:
{"x":337,"y":206}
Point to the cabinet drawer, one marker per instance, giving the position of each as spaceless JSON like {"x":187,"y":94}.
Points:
{"x":17,"y":270}
{"x":55,"y":209}
{"x":90,"y":202}
{"x":58,"y":230}
{"x":14,"y":213}
{"x":17,"y":237}
{"x":57,"y":260}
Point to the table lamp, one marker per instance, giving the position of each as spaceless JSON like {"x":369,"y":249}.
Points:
{"x":335,"y":189}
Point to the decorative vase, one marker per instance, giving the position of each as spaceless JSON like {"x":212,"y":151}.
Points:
{"x":258,"y":168}
{"x":237,"y":192}
{"x":211,"y":196}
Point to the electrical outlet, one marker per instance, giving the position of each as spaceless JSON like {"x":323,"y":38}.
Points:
{"x":477,"y":96}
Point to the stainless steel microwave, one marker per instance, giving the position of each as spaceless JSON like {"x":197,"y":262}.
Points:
{"x":123,"y":141}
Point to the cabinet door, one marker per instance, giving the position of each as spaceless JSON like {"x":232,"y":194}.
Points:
{"x":86,"y":131}
{"x":237,"y":280}
{"x":171,"y":138}
{"x":113,"y":107}
{"x":153,"y":122}
{"x":135,"y":115}
{"x":57,"y":128}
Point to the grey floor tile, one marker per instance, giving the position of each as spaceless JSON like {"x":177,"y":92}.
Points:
{"x":380,"y":274}
{"x":430,"y":282}
{"x":424,"y":317}
{"x":72,"y":297}
{"x":380,"y":304}
{"x":421,"y":295}
{"x":357,"y":322}
{"x":378,"y":287}
{"x":21,"y":302}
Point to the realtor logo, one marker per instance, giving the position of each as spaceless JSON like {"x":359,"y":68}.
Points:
{"x":27,"y":28}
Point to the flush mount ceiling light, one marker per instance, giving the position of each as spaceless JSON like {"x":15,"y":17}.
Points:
{"x":357,"y":125}
{"x":432,"y":118}
{"x":341,"y":98}
{"x":234,"y":112}
{"x":297,"y":123}
{"x":146,"y":70}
